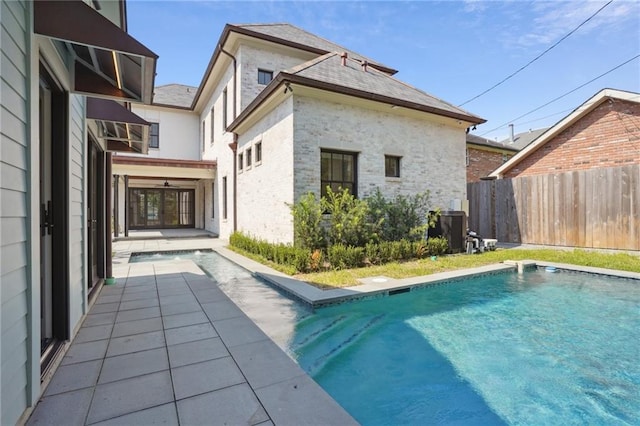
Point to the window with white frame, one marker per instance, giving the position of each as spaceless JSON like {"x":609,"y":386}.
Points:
{"x":212,"y":126}
{"x":249,"y":158}
{"x":240,"y":161}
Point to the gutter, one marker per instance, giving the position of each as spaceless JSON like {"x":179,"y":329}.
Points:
{"x":283,"y":78}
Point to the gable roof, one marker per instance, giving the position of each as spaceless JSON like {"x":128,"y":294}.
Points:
{"x":285,"y":35}
{"x":174,"y":95}
{"x":355,"y":79}
{"x":290,"y":35}
{"x":567,"y":121}
{"x":521,"y":140}
{"x":479,"y":140}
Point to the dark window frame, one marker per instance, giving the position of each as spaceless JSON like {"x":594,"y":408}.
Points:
{"x":258,"y":152}
{"x":203,"y":135}
{"x":264,"y":76}
{"x":389,"y":171}
{"x":224,"y":198}
{"x":331,"y":182}
{"x":154,"y":135}
{"x":212,"y":126}
{"x":213,"y":200}
{"x":224,"y":109}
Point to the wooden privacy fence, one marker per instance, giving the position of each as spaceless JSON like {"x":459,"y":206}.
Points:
{"x":597,"y":208}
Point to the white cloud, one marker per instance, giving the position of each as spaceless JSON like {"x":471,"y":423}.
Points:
{"x":553,"y":20}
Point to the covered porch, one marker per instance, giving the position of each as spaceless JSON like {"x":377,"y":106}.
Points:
{"x":159,"y":194}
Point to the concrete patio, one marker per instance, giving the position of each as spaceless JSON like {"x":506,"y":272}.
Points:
{"x":165,"y":345}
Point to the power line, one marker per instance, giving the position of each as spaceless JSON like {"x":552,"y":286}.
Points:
{"x":565,"y":94}
{"x":537,"y":57}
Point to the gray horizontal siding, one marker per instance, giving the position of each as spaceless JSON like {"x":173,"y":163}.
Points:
{"x":77,"y":224}
{"x":14,"y":189}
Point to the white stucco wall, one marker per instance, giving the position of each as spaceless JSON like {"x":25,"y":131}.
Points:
{"x":178,"y":135}
{"x":433,"y":153}
{"x":265,"y":188}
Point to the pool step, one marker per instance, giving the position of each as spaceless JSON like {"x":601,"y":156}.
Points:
{"x":318,"y":352}
{"x":311,"y":330}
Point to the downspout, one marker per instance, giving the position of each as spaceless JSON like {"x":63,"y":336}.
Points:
{"x":234,"y":149}
{"x":234,"y":144}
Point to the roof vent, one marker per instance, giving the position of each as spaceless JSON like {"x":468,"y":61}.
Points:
{"x":343,"y":56}
{"x":364,"y":66}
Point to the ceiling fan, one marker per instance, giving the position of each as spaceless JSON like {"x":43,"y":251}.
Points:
{"x":166,"y":184}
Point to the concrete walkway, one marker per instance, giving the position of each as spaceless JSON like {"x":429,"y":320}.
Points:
{"x":166,"y":345}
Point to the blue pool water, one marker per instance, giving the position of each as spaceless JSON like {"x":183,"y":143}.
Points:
{"x":542,"y":348}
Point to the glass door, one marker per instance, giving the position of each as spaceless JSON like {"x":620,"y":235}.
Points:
{"x":161,"y":208}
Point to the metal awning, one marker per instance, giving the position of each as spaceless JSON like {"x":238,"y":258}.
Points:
{"x":123,"y":130}
{"x":108,"y":61}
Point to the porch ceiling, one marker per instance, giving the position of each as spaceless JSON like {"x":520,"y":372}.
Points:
{"x":163,"y":168}
{"x":108,"y":62}
{"x":122,"y":129}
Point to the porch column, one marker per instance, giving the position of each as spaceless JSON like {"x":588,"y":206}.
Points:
{"x":108,"y":248}
{"x":126,"y":205}
{"x":116,"y":205}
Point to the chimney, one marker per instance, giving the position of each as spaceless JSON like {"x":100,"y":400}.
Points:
{"x":364,"y":66}
{"x":343,"y":56}
{"x":511,"y":136}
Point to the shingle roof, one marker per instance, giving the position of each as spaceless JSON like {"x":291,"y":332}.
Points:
{"x":521,"y":140}
{"x":177,"y":95}
{"x":479,"y":140}
{"x":290,"y":33}
{"x":329,"y":69}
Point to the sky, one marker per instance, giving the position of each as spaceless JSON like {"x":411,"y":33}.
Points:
{"x":453,"y":50}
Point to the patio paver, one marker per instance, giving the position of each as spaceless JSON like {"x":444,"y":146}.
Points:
{"x":165,"y":345}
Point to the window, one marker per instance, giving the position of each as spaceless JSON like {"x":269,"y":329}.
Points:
{"x":224,"y":109}
{"x":258,"y":152}
{"x":212,"y":125}
{"x":154,"y":135}
{"x":264,"y":77}
{"x":240,"y":162}
{"x":391,"y":166}
{"x":202,"y":135}
{"x":213,"y":200}
{"x":249,"y":158}
{"x":224,"y":198}
{"x":338,"y":170}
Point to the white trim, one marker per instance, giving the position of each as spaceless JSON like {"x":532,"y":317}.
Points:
{"x":561,"y":125}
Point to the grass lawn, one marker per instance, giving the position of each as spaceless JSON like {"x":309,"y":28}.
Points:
{"x":349,"y":277}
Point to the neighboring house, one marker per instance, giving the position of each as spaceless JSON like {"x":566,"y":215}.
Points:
{"x":282,"y":112}
{"x":160,"y":190}
{"x":602,"y":132}
{"x":63,"y":65}
{"x":484,"y":156}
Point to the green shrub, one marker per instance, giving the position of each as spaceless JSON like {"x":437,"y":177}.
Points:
{"x":348,"y":218}
{"x":372,"y":253}
{"x":283,"y":254}
{"x":437,"y":246}
{"x":404,"y":217}
{"x":307,"y":223}
{"x":345,"y":257}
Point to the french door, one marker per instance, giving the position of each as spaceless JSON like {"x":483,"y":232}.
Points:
{"x":151,"y":208}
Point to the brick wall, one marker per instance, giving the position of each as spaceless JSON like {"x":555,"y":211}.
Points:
{"x":481,"y":162}
{"x":608,"y":136}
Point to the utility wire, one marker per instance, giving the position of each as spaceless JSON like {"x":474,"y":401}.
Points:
{"x":563,"y":95}
{"x":537,"y":57}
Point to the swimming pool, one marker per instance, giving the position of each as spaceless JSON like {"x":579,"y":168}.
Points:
{"x":538,"y":348}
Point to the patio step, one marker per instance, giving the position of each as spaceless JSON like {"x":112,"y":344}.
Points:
{"x":316,"y":353}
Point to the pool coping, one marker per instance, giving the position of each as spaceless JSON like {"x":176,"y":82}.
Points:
{"x":373,"y":286}
{"x":317,"y":297}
